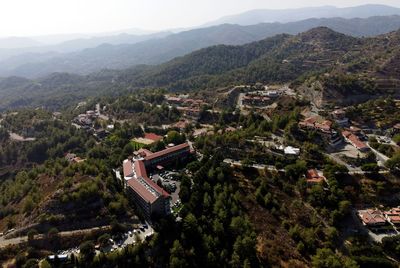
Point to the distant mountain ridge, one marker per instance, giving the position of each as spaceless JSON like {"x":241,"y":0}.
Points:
{"x":30,"y":46}
{"x":342,"y":65}
{"x":159,"y":50}
{"x":291,"y":15}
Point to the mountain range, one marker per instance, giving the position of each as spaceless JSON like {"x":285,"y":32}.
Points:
{"x":291,"y":15}
{"x":343,"y":66}
{"x":161,"y":47}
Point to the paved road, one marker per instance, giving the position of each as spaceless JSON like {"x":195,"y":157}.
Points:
{"x":379,"y":156}
{"x":256,"y":166}
{"x":18,"y":240}
{"x":16,"y":137}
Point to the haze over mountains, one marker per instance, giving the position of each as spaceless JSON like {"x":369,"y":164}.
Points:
{"x":123,"y":51}
{"x":290,"y":15}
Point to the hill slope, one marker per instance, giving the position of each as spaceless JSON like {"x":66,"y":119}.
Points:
{"x":157,"y":51}
{"x":342,"y":64}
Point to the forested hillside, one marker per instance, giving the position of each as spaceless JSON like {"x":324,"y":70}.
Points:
{"x":358,"y":65}
{"x":162,"y":47}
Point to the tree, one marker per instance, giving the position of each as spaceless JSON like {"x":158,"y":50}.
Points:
{"x":31,"y":234}
{"x":31,"y":263}
{"x":326,"y":258}
{"x":52,"y":233}
{"x":175,"y":138}
{"x":294,"y":171}
{"x":177,"y":259}
{"x":394,"y":162}
{"x":87,"y":251}
{"x":45,"y":264}
{"x":103,"y":240}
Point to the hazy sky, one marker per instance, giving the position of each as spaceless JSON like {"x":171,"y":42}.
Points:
{"x":40,"y":17}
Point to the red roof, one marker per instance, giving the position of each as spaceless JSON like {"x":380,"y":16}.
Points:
{"x":393,"y":215}
{"x":371,"y":217}
{"x":167,"y":151}
{"x":141,"y":189}
{"x":354,"y":140}
{"x":144,"y":152}
{"x":140,"y":169}
{"x":176,"y":99}
{"x":313,"y":176}
{"x":152,"y":136}
{"x":313,"y":122}
{"x":128,"y":169}
{"x":312,"y":173}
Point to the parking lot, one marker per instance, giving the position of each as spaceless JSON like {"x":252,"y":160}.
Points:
{"x":170,"y":182}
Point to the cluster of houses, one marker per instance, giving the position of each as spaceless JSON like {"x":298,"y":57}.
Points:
{"x":260,"y":98}
{"x":145,"y":193}
{"x":87,"y":120}
{"x":324,"y":127}
{"x":376,"y":218}
{"x":352,"y":134}
{"x":190,"y":108}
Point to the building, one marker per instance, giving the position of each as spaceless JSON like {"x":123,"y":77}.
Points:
{"x":167,"y":156}
{"x":340,"y":118}
{"x":189,"y":112}
{"x":313,"y":177}
{"x":174,"y":100}
{"x":73,"y":158}
{"x":355,"y":141}
{"x":393,"y":216}
{"x":147,"y":195}
{"x":256,"y":100}
{"x":315,"y":123}
{"x":289,"y":150}
{"x":372,"y":217}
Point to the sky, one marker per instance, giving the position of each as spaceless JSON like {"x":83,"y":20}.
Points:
{"x":44,"y":17}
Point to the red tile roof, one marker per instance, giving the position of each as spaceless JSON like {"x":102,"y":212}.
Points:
{"x":372,"y":217}
{"x":144,"y":152}
{"x":140,"y":169}
{"x":314,"y":122}
{"x":152,"y":136}
{"x":167,"y":151}
{"x":312,"y":173}
{"x":150,"y":193}
{"x":393,"y":215}
{"x":314,"y":177}
{"x":128,"y":168}
{"x":354,"y":140}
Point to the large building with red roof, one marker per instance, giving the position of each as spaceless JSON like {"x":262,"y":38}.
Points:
{"x":147,"y":195}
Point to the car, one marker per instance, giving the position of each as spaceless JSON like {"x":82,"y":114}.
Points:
{"x":1,"y":234}
{"x":145,"y":226}
{"x":129,"y":233}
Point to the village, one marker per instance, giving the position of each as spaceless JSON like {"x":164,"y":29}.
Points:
{"x":151,"y":174}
